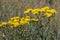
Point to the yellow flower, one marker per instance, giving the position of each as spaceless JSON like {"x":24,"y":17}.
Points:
{"x":46,"y":7}
{"x":16,"y":24}
{"x":14,"y":18}
{"x":48,"y":15}
{"x":27,"y":19}
{"x":9,"y":22}
{"x":4,"y":23}
{"x":42,"y":10}
{"x":48,"y":11}
{"x":34,"y":19}
{"x":22,"y":18}
{"x":53,"y":11}
{"x":27,"y":11}
{"x":1,"y":25}
{"x":22,"y":22}
{"x":35,"y":11}
{"x":11,"y":19}
{"x":26,"y":22}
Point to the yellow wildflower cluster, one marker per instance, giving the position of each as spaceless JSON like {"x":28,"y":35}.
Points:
{"x":46,"y":10}
{"x":25,"y":20}
{"x":16,"y":21}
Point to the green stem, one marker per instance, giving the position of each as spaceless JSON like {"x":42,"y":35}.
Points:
{"x":41,"y":34}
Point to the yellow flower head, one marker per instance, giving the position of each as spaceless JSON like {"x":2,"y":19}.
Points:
{"x":22,"y":22}
{"x":16,"y":24}
{"x":46,"y":7}
{"x":25,"y":20}
{"x":35,"y":11}
{"x":9,"y":22}
{"x":48,"y":15}
{"x":42,"y":10}
{"x":1,"y":25}
{"x":27,"y":11}
{"x":22,"y":18}
{"x":53,"y":11}
{"x":27,"y":17}
{"x":48,"y":11}
{"x":34,"y":19}
{"x":14,"y":18}
{"x":4,"y":23}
